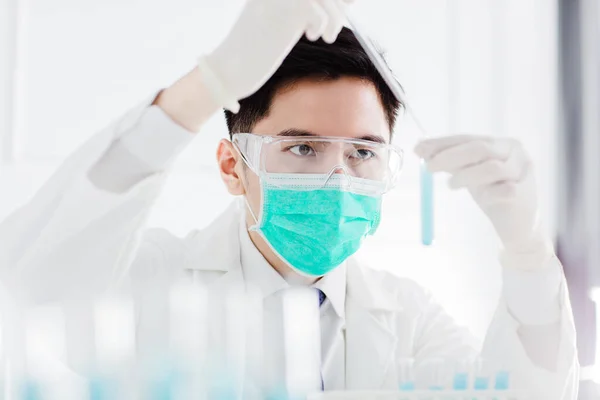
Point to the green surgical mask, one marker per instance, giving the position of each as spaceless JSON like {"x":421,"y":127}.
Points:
{"x":315,"y":229}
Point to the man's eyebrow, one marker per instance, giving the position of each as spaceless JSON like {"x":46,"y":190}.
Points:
{"x":373,"y":138}
{"x":296,"y":132}
{"x":301,"y":132}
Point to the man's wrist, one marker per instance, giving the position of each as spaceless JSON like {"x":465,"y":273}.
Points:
{"x":531,"y":252}
{"x":214,"y":85}
{"x":188,"y":102}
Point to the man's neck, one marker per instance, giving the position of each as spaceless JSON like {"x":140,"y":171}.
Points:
{"x":291,"y":276}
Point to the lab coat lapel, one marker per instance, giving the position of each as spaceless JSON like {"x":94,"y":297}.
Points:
{"x":370,"y":339}
{"x":216,"y":249}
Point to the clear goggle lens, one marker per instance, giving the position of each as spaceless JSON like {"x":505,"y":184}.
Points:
{"x":314,"y":157}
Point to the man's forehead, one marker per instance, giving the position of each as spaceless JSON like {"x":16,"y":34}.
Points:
{"x":345,"y":107}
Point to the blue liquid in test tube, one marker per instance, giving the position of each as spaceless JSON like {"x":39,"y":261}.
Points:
{"x":31,"y":391}
{"x":502,"y":380}
{"x":98,"y":390}
{"x":461,"y":381}
{"x":426,"y":205}
{"x":163,"y":389}
{"x":481,"y":383}
{"x":102,"y":389}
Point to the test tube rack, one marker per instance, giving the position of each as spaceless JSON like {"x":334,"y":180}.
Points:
{"x":420,"y":395}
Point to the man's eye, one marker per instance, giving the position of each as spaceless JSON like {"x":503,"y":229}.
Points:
{"x":302,"y":150}
{"x":363,"y":154}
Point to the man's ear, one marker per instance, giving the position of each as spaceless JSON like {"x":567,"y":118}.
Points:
{"x":228,"y":159}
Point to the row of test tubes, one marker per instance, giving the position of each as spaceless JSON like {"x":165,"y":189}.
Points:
{"x":197,"y":344}
{"x":438,"y":374}
{"x":439,"y":379}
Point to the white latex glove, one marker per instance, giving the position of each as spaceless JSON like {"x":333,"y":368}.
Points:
{"x":499,"y":175}
{"x":263,"y":35}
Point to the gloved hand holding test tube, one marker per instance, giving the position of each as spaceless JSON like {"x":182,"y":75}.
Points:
{"x":426,"y":178}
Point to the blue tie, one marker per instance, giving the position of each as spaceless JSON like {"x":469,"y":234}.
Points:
{"x":322,"y":299}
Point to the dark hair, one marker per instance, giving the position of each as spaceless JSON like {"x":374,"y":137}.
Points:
{"x":314,"y":60}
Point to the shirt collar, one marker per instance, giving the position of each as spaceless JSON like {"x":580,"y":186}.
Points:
{"x":258,"y":273}
{"x":334,"y":286}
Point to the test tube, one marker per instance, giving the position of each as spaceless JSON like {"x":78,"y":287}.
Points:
{"x":31,"y":390}
{"x":502,"y":380}
{"x":235,"y":328}
{"x":406,"y":374}
{"x":481,"y":375}
{"x":3,"y":375}
{"x":500,"y":372}
{"x":254,"y":378}
{"x":188,"y":317}
{"x":44,"y":344}
{"x":302,"y":338}
{"x":14,"y":349}
{"x":426,"y":179}
{"x":46,"y":375}
{"x":461,"y":374}
{"x":426,"y":185}
{"x":114,"y":337}
{"x":427,"y":216}
{"x":433,"y":374}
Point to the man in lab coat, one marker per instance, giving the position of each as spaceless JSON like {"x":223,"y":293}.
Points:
{"x":82,"y":231}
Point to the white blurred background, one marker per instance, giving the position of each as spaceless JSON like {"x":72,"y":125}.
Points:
{"x":69,"y":67}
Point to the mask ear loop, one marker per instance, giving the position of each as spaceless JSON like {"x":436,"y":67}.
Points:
{"x":249,"y":208}
{"x":256,"y":222}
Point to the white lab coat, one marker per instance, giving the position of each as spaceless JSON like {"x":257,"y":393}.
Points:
{"x":74,"y":238}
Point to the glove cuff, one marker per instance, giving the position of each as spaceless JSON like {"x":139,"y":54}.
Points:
{"x":216,"y":88}
{"x":533,"y":255}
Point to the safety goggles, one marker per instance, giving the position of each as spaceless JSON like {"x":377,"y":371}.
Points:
{"x":318,"y":161}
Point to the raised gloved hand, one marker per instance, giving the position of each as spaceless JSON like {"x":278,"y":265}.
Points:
{"x":499,"y":175}
{"x":263,"y":35}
